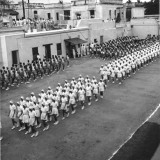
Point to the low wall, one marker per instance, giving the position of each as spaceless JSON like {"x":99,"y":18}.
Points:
{"x":143,"y":27}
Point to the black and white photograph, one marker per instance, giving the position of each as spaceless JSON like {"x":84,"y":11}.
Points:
{"x":79,"y":79}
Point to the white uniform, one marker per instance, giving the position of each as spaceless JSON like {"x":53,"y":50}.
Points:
{"x":72,"y":98}
{"x":44,"y":110}
{"x":20,"y":112}
{"x":32,"y":118}
{"x":95,"y":88}
{"x":54,"y":106}
{"x":12,"y":111}
{"x":81,"y":95}
{"x":101,"y":86}
{"x":25,"y":115}
{"x":63,"y":104}
{"x":88,"y":91}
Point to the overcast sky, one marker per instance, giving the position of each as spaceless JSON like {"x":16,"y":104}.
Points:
{"x":54,"y":1}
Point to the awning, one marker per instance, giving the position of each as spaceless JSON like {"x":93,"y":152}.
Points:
{"x":75,"y":41}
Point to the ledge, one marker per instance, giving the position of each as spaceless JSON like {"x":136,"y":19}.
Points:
{"x":54,"y":32}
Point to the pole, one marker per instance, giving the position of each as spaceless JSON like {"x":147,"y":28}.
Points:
{"x":24,"y":16}
{"x":28,"y":8}
{"x":159,"y":22}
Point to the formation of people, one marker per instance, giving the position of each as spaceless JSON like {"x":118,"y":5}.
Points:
{"x":31,"y":112}
{"x":123,"y":68}
{"x":25,"y":72}
{"x":117,"y":48}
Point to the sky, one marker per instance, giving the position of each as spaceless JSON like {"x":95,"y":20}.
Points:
{"x":55,"y":1}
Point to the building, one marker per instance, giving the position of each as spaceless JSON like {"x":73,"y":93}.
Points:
{"x":17,"y":46}
{"x":7,"y":14}
{"x":77,"y":9}
{"x":55,"y":11}
{"x":103,"y":9}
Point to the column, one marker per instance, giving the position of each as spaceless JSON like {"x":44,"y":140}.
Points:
{"x":4,"y":51}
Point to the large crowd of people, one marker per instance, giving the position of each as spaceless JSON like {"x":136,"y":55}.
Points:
{"x":122,"y":68}
{"x":111,"y":50}
{"x":25,"y":72}
{"x":44,"y":109}
{"x":39,"y":24}
{"x":120,"y":47}
{"x":30,"y":113}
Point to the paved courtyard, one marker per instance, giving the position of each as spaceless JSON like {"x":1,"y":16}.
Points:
{"x":91,"y":134}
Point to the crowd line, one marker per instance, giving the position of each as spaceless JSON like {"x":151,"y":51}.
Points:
{"x":122,"y":68}
{"x":47,"y":107}
{"x":25,"y":72}
{"x":120,"y":47}
{"x":32,"y":70}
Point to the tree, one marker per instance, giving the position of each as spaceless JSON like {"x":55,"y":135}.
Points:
{"x":151,"y":7}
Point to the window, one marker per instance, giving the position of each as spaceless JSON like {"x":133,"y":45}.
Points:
{"x":74,"y":3}
{"x":110,"y":14}
{"x":67,"y":15}
{"x":78,"y":16}
{"x":59,"y":49}
{"x":92,"y":14}
{"x":57,"y":15}
{"x":35,"y":52}
{"x":35,"y":12}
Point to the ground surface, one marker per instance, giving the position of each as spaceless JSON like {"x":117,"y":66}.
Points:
{"x":94,"y":133}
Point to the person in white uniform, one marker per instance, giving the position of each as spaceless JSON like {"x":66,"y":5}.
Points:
{"x":12,"y":114}
{"x":89,"y":93}
{"x":95,"y":90}
{"x":44,"y":118}
{"x":81,"y":95}
{"x":32,"y":121}
{"x":64,"y":107}
{"x":72,"y":101}
{"x":101,"y":88}
{"x":54,"y":112}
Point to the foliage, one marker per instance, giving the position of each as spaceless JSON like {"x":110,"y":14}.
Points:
{"x":151,"y":7}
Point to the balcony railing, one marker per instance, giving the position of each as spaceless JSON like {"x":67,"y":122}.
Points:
{"x":111,"y":1}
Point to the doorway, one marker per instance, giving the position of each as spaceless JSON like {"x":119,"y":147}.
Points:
{"x":49,"y":15}
{"x":15,"y":57}
{"x":48,"y":51}
{"x":35,"y":53}
{"x":101,"y":39}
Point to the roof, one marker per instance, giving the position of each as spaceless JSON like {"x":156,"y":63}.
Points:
{"x":75,"y":41}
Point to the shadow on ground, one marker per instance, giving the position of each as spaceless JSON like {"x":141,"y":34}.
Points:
{"x":142,"y":145}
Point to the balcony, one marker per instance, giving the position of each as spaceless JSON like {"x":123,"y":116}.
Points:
{"x":111,"y":1}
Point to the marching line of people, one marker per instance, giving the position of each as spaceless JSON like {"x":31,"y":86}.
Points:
{"x":25,"y":72}
{"x":120,"y":47}
{"x":122,"y":68}
{"x":30,"y":113}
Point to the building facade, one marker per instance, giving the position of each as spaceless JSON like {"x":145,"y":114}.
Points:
{"x":18,"y":46}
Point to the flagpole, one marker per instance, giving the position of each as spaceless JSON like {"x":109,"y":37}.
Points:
{"x":24,"y":15}
{"x":28,"y":9}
